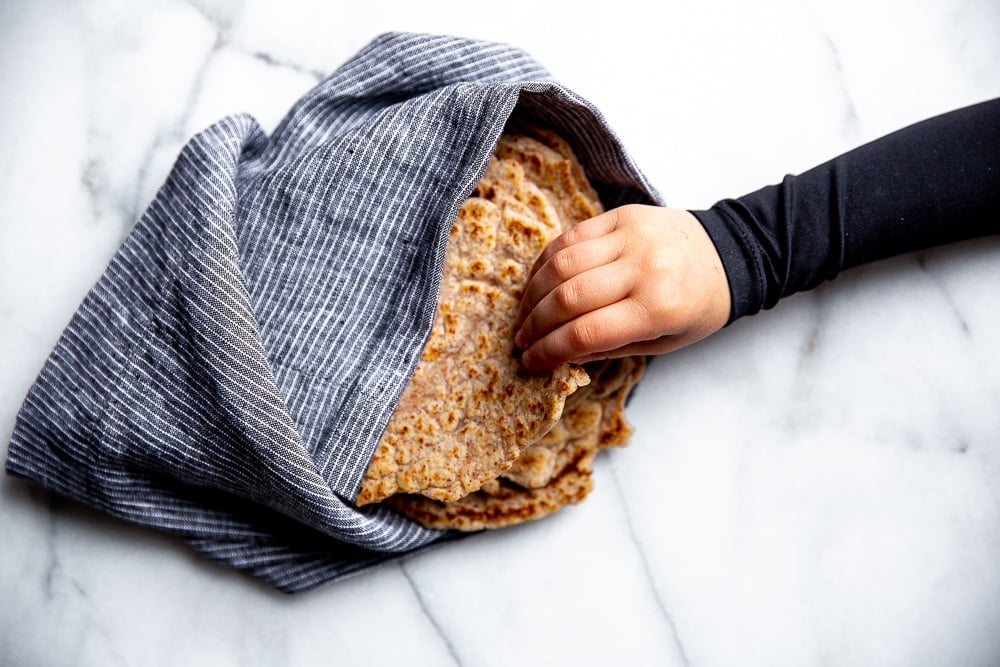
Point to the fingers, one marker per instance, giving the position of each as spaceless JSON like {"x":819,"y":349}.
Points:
{"x":587,"y":230}
{"x":635,"y":280}
{"x":562,"y":268}
{"x":588,"y":291}
{"x":593,"y":333}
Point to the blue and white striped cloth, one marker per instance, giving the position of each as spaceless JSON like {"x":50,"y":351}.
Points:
{"x":229,"y":376}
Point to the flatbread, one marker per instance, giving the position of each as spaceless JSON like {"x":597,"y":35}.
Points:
{"x":501,"y":503}
{"x":470,"y":409}
{"x":532,"y":173}
{"x":604,"y":398}
{"x":611,"y":385}
{"x":553,"y":472}
{"x":543,"y":461}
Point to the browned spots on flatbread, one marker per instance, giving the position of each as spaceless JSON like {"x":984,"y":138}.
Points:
{"x":548,"y":159}
{"x":469,"y":359}
{"x":540,"y":463}
{"x":502,"y":503}
{"x":601,"y":403}
{"x":500,"y":445}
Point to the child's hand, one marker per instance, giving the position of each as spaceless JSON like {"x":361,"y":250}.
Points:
{"x":634,"y":280}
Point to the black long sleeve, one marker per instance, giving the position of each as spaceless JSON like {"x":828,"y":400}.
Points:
{"x":931,"y":183}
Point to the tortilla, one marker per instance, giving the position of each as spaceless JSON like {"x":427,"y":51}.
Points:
{"x":470,"y":409}
{"x":553,"y":472}
{"x":534,"y":188}
{"x":501,"y":503}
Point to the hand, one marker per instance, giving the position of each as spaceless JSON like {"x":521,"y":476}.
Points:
{"x":634,"y":280}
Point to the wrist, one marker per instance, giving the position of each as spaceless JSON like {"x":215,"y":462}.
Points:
{"x":738,"y":256}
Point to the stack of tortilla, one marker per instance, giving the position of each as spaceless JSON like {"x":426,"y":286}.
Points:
{"x":477,"y":441}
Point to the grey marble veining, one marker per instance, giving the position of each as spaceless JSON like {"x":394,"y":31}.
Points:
{"x":429,"y":616}
{"x":648,"y":571}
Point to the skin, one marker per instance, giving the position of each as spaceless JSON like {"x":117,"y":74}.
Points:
{"x":634,"y":280}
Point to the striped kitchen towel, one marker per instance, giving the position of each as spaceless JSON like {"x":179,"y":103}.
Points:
{"x":228,"y":377}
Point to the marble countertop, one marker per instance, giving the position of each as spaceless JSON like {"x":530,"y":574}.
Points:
{"x":816,"y":485}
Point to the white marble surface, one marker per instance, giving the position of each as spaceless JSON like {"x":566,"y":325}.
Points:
{"x":818,"y":485}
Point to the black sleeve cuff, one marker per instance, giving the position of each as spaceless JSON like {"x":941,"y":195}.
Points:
{"x":741,"y":258}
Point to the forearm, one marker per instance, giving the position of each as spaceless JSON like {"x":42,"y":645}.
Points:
{"x":928,"y":184}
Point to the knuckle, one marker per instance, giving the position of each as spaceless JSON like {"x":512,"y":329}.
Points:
{"x":633,"y":210}
{"x":627,"y":215}
{"x":664,"y":312}
{"x":551,"y":250}
{"x":567,"y":296}
{"x":653,"y":315}
{"x":539,"y":355}
{"x":562,"y":265}
{"x":581,"y":336}
{"x":656,"y":262}
{"x":567,"y":237}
